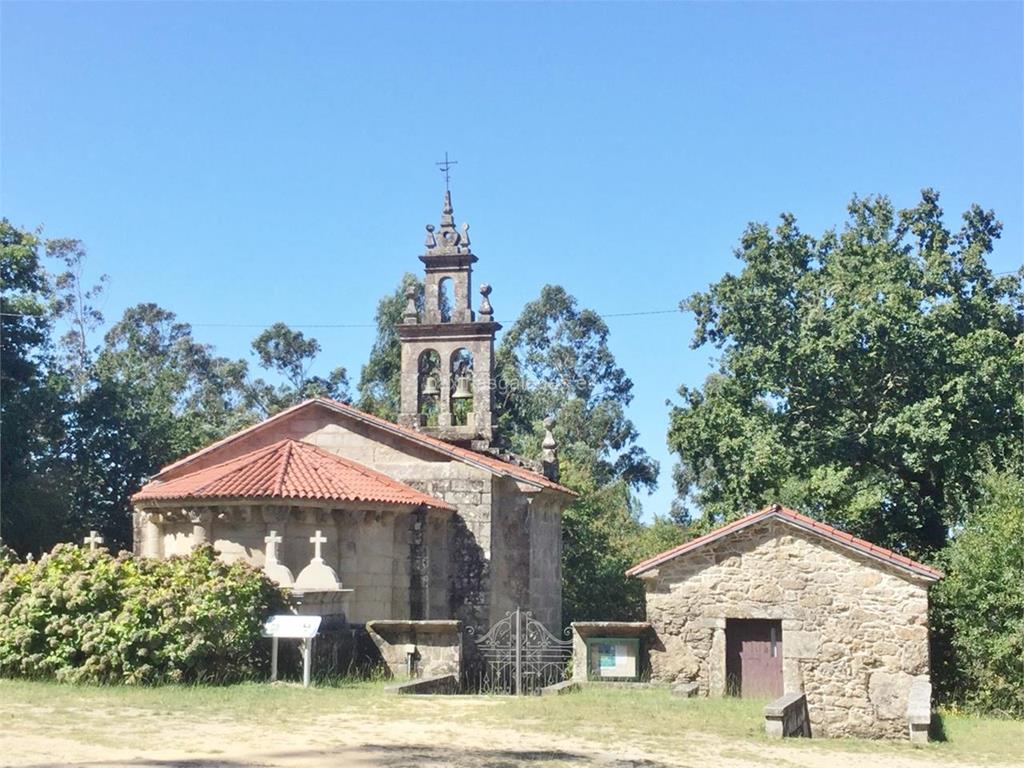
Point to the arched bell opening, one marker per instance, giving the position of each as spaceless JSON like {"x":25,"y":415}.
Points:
{"x":429,"y":388}
{"x":461,"y":402}
{"x":444,"y":299}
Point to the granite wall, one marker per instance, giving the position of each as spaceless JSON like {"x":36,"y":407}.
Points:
{"x":402,"y":565}
{"x":854,"y":630}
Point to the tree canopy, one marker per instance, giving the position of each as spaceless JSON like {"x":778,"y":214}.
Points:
{"x":85,"y":424}
{"x":555,"y":360}
{"x":978,"y":608}
{"x":33,"y":396}
{"x":867,"y":376}
{"x":291,"y":355}
{"x":380,"y":378}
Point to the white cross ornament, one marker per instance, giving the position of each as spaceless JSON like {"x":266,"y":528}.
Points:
{"x":316,"y":541}
{"x":93,"y":539}
{"x":272,"y":541}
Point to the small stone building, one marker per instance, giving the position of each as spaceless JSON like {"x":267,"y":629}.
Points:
{"x":422,"y":520}
{"x":776,"y":602}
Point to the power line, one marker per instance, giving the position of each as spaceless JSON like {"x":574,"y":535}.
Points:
{"x":640,"y":313}
{"x":361,"y":325}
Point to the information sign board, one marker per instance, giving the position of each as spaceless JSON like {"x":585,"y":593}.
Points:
{"x":613,"y":658}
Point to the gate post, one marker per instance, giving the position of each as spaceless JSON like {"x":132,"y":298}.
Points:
{"x":519,"y":655}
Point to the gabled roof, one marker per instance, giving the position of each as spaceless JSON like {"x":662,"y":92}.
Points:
{"x":804,"y":523}
{"x":289,"y":469}
{"x":473,"y":458}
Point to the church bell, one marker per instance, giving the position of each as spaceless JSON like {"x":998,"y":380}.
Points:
{"x":431,"y":388}
{"x":462,"y":390}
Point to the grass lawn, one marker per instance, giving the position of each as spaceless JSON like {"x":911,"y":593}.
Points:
{"x":650,"y":718}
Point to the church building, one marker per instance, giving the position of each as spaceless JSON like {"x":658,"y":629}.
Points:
{"x":423,"y":519}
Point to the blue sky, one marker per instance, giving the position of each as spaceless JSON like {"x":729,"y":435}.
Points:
{"x":242,"y":164}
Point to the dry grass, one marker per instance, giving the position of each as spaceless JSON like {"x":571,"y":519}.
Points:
{"x":650,"y":719}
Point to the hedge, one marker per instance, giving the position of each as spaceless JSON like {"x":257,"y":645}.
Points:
{"x":84,"y":616}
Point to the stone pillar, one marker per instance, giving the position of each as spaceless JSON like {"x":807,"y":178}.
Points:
{"x":716,"y":660}
{"x":419,"y":566}
{"x":202,"y":526}
{"x":151,"y":534}
{"x":444,"y":413}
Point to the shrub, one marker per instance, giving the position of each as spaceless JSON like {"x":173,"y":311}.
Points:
{"x":978,"y":609}
{"x":85,"y":616}
{"x":8,"y":557}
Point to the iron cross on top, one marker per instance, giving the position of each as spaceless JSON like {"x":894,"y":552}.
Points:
{"x":445,"y":167}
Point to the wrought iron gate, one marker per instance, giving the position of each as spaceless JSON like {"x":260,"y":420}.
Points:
{"x":518,"y":655}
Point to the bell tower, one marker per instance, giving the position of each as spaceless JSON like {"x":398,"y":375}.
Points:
{"x":448,"y":353}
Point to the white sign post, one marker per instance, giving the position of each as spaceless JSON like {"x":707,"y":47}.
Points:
{"x":301,"y":628}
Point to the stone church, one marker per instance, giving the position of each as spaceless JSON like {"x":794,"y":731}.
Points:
{"x":424,"y":519}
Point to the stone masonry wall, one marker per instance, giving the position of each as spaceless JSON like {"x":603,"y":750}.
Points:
{"x":466,"y":547}
{"x":546,"y":564}
{"x":436,"y":646}
{"x":375,"y":556}
{"x":371,"y":550}
{"x":527,"y":555}
{"x":854,"y":631}
{"x":510,"y":555}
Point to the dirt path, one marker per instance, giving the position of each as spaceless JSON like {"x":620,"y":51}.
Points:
{"x":126,"y":737}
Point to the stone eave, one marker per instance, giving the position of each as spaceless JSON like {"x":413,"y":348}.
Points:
{"x":444,"y":260}
{"x":424,"y":626}
{"x":453,"y":331}
{"x":611,"y":628}
{"x":239,"y":503}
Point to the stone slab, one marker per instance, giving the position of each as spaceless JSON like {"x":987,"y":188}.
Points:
{"x":444,"y":684}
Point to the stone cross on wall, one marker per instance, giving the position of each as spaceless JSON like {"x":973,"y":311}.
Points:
{"x":316,"y":541}
{"x":271,"y":566}
{"x":272,"y":541}
{"x":92,"y":540}
{"x":318,"y":576}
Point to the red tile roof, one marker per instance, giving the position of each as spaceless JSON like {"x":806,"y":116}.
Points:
{"x":803,"y":522}
{"x":475,"y":458}
{"x":289,"y":469}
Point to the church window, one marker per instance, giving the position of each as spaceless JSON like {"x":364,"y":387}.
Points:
{"x":444,"y":299}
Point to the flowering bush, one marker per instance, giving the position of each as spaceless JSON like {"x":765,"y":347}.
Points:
{"x":84,"y":616}
{"x":8,"y":557}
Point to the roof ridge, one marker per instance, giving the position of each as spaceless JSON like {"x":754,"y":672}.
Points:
{"x":254,"y":457}
{"x":319,"y":457}
{"x":799,"y":519}
{"x":481,"y":460}
{"x":282,"y":470}
{"x":442,"y":445}
{"x":291,"y":468}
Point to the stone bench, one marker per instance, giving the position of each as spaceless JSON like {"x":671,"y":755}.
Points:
{"x":787,"y":716}
{"x":919,"y":711}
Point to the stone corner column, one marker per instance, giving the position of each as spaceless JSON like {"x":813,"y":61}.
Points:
{"x":202,"y":526}
{"x":716,"y":663}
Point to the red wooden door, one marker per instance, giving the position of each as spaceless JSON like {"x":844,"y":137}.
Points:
{"x":753,"y":657}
